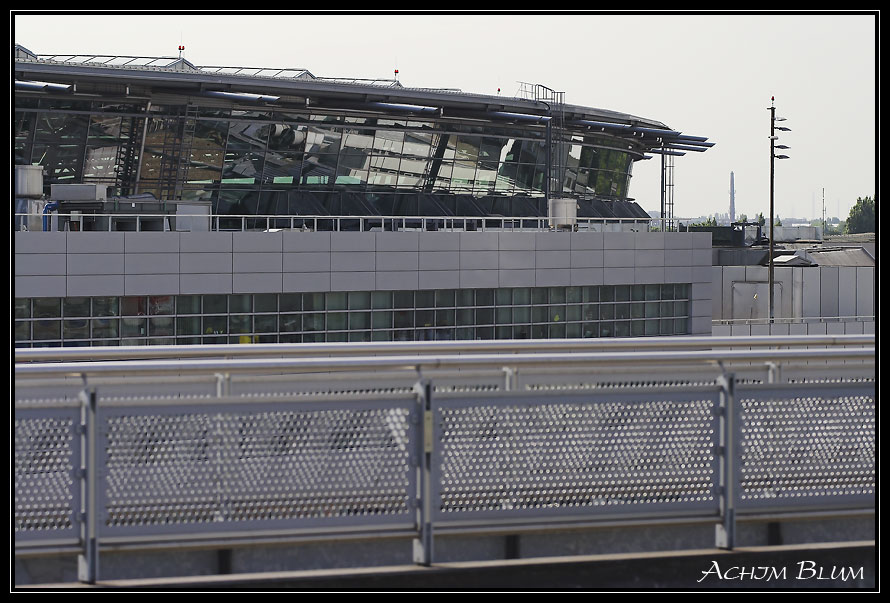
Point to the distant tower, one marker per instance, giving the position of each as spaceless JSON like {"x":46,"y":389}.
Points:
{"x":732,"y":197}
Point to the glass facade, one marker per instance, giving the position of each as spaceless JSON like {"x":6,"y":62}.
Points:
{"x":442,"y":314}
{"x":271,"y":162}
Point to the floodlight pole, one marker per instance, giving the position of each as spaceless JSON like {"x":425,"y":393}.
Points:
{"x":772,"y":181}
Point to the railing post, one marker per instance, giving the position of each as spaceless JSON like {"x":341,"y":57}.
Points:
{"x":88,"y":559}
{"x":725,"y":532}
{"x":423,"y":544}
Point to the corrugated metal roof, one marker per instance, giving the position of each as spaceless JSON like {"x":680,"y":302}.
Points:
{"x":841,"y":256}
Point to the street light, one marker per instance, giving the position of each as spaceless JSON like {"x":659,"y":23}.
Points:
{"x":772,"y":180}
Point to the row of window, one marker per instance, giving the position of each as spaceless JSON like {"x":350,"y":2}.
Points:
{"x":544,"y":312}
{"x":313,"y":152}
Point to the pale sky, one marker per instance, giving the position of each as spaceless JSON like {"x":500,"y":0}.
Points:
{"x":704,"y":75}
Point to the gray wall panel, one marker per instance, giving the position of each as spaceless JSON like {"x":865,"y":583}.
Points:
{"x":96,"y":285}
{"x":516,"y":241}
{"x":812,"y":295}
{"x":516,"y":278}
{"x":151,"y":284}
{"x":397,"y":280}
{"x":305,"y":281}
{"x":206,"y":242}
{"x":353,"y":281}
{"x":397,"y":260}
{"x":552,"y":259}
{"x":478,"y":279}
{"x":306,"y":262}
{"x":352,"y":261}
{"x":95,"y":263}
{"x":556,"y":277}
{"x":619,"y":240}
{"x":479,"y":260}
{"x":440,"y":241}
{"x":353,"y":241}
{"x":586,"y":241}
{"x":202,"y":263}
{"x":846,"y":291}
{"x":586,"y":276}
{"x":621,"y":258}
{"x":40,"y":264}
{"x":438,"y":279}
{"x":516,"y":260}
{"x":95,"y":242}
{"x":205,"y":283}
{"x":649,"y":240}
{"x":43,"y":286}
{"x":478,"y":241}
{"x":40,"y":242}
{"x":252,"y":242}
{"x":700,"y":274}
{"x":649,"y":275}
{"x":397,"y":241}
{"x":439,"y":260}
{"x":151,"y":263}
{"x":677,"y":274}
{"x":553,"y":241}
{"x":268,"y":282}
{"x":865,"y":291}
{"x":678,"y":240}
{"x":257,"y":262}
{"x":306,"y":241}
{"x":586,"y":258}
{"x":829,"y":290}
{"x":616,"y":276}
{"x":678,"y":257}
{"x":151,"y":242}
{"x":649,"y":258}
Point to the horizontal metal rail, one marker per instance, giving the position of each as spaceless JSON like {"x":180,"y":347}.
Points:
{"x":793,"y":320}
{"x":419,"y":362}
{"x":438,"y":347}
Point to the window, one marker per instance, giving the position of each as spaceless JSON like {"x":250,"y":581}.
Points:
{"x":444,"y":314}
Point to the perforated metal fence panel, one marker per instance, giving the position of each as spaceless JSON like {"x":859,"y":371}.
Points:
{"x":47,"y":488}
{"x":601,"y":454}
{"x":257,"y":466}
{"x":806,"y":446}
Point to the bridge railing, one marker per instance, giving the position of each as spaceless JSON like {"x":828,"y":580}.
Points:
{"x":249,"y":449}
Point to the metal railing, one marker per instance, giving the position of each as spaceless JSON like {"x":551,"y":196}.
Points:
{"x":792,"y":320}
{"x":326,"y":223}
{"x":417,"y":443}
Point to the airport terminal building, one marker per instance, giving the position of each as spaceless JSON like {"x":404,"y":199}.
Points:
{"x":159,"y":202}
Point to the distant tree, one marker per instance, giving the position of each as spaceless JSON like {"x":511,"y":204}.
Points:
{"x":760,"y":219}
{"x":711,"y":221}
{"x":743,"y":218}
{"x":862,"y":216}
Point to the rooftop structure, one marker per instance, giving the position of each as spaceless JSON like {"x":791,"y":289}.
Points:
{"x":300,"y":186}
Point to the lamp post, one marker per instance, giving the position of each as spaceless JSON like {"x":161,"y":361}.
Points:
{"x":772,"y":182}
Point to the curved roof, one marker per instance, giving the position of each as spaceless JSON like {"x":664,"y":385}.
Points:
{"x":176,"y":75}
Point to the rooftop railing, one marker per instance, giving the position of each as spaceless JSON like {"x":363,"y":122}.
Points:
{"x":252,"y":223}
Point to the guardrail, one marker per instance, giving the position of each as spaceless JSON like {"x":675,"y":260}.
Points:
{"x":251,"y":222}
{"x":434,"y":443}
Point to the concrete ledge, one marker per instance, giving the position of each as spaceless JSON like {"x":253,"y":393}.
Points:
{"x":813,"y":566}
